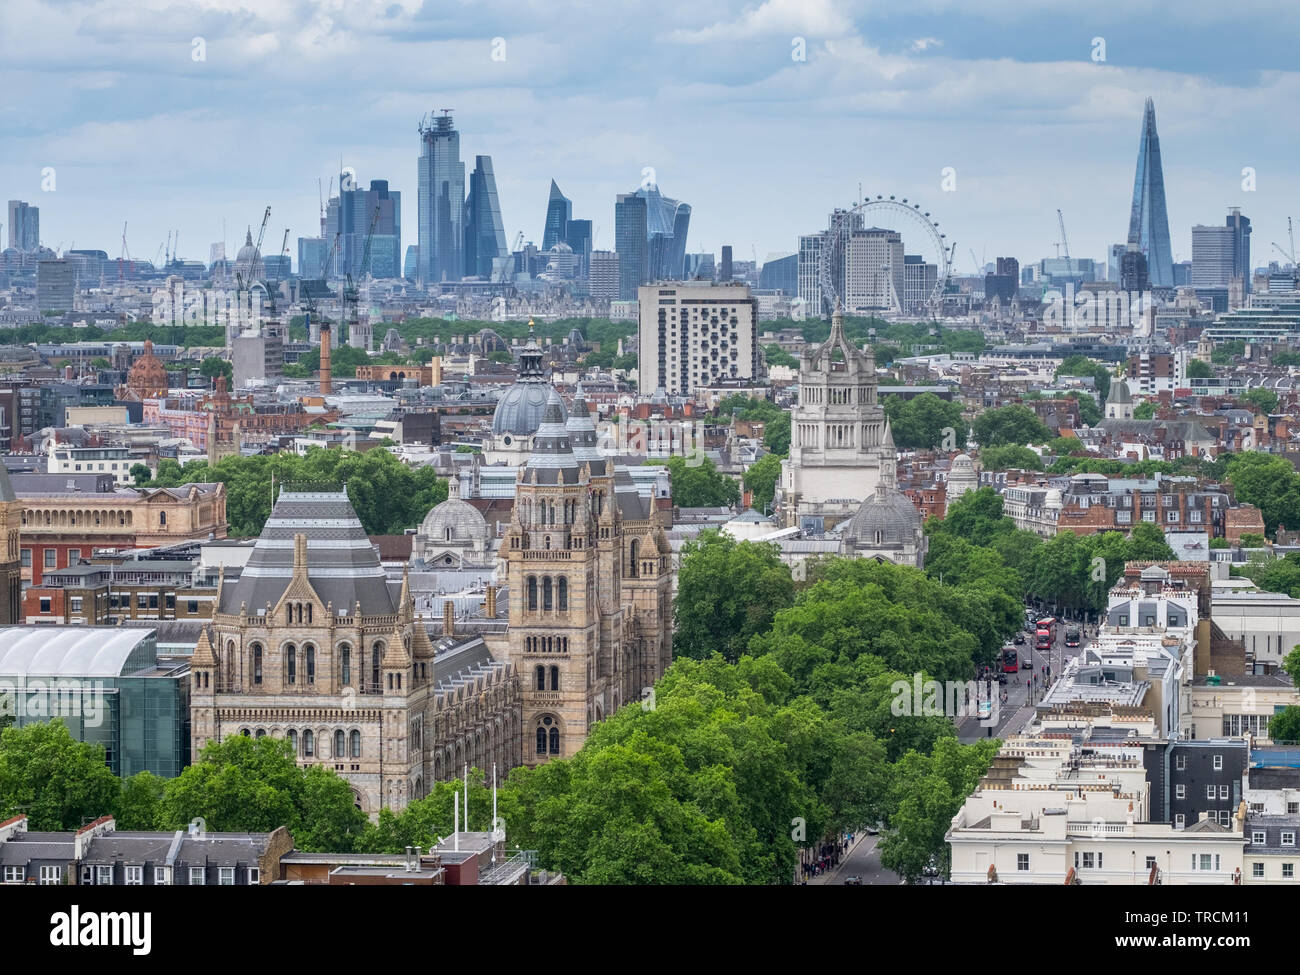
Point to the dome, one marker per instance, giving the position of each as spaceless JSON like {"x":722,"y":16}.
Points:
{"x":147,"y":377}
{"x":561,"y":248}
{"x":962,"y":464}
{"x":248,"y":261}
{"x":519,"y":410}
{"x":455,"y":521}
{"x":885,"y":518}
{"x":1119,"y":393}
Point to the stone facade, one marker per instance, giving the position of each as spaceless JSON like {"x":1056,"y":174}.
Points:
{"x":590,"y":587}
{"x":314,"y":644}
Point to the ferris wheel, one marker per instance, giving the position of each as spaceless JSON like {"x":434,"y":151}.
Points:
{"x":877,"y":270}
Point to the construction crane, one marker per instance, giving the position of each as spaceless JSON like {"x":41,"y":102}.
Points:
{"x":350,"y":294}
{"x":1065,"y":241}
{"x":273,"y":285}
{"x":1290,"y":256}
{"x":308,"y":299}
{"x":979,"y":268}
{"x":124,"y":256}
{"x":262,"y":233}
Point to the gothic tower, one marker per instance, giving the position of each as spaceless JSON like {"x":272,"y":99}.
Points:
{"x":10,"y":556}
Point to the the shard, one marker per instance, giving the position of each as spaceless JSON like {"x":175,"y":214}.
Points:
{"x":1148,"y":223}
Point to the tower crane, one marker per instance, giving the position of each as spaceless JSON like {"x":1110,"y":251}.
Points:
{"x":1065,"y":242}
{"x":124,"y":256}
{"x":308,"y":299}
{"x":350,"y":295}
{"x":273,"y":285}
{"x":262,"y":233}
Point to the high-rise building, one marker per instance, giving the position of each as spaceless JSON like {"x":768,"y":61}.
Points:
{"x":56,"y":285}
{"x":350,"y":215}
{"x":728,"y":270}
{"x":1114,"y":254}
{"x":1240,"y":227}
{"x":485,"y":235}
{"x":630,"y":243}
{"x":604,"y":277}
{"x":24,"y":226}
{"x":311,"y":257}
{"x":810,"y":270}
{"x":1133,"y":272}
{"x":578,"y":237}
{"x":919,"y":280}
{"x":874,"y":275}
{"x":700,"y":266}
{"x":559,"y":211}
{"x":694,"y":333}
{"x":781,"y":274}
{"x":1149,"y":219}
{"x":440,"y":234}
{"x":1212,"y":256}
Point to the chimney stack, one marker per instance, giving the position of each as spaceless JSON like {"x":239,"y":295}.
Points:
{"x":490,"y":604}
{"x":325,"y":387}
{"x":448,"y":618}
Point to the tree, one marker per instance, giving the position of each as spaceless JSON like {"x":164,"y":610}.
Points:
{"x":1261,"y":397}
{"x":699,"y":485}
{"x":1144,"y":411}
{"x":141,"y":801}
{"x":1009,"y":458}
{"x":1146,"y":543}
{"x":213,"y":366}
{"x":1270,"y":483}
{"x":254,"y":785}
{"x":1196,"y":369}
{"x":141,"y":474}
{"x":1013,"y":424}
{"x":925,"y":421}
{"x":777,"y":356}
{"x":1065,"y":445}
{"x":501,"y":356}
{"x":1284,"y":726}
{"x":1252,"y":540}
{"x":59,"y":782}
{"x":1089,"y":411}
{"x":727,"y":592}
{"x":1081,"y":365}
{"x":761,"y":479}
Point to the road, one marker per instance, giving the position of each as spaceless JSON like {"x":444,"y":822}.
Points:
{"x":1019,"y":708}
{"x":863,"y":861}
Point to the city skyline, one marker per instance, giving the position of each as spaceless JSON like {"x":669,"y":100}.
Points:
{"x":1026,"y":127}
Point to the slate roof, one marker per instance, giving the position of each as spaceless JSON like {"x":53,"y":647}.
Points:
{"x":342,"y":565}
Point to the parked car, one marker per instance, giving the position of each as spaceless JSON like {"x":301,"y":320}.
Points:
{"x":853,"y":881}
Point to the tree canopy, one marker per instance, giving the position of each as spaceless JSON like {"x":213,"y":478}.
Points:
{"x":1015,"y":424}
{"x":697,"y":484}
{"x":921,"y":422}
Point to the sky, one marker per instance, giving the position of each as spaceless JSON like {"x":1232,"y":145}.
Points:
{"x":181,"y":116}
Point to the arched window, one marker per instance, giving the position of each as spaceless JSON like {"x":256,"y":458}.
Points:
{"x":345,"y":656}
{"x":162,"y":519}
{"x":257,"y":663}
{"x":340,"y":744}
{"x":308,"y":743}
{"x":311,"y":662}
{"x":547,"y":601}
{"x":541,"y":677}
{"x":563,"y":594}
{"x":555,"y":741}
{"x":532,"y":592}
{"x":376,"y":652}
{"x":244,"y":732}
{"x":634,"y":550}
{"x":541,"y":741}
{"x":293,"y":740}
{"x":309,"y":612}
{"x":555,"y":678}
{"x":291,"y":655}
{"x":288,"y":614}
{"x":546,"y":542}
{"x":260,"y":733}
{"x":356,"y":744}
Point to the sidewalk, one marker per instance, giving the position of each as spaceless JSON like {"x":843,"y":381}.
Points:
{"x":832,"y":876}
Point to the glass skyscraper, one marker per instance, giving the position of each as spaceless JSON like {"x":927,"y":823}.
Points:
{"x":630,"y":244}
{"x":1149,"y":219}
{"x":349,"y":214}
{"x":485,"y":235}
{"x":559,"y":211}
{"x":440,"y":234}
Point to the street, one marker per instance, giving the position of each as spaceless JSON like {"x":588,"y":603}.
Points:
{"x":861,"y":861}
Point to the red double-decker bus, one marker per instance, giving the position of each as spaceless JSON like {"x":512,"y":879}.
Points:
{"x":1010,"y":660}
{"x":1045,"y":633}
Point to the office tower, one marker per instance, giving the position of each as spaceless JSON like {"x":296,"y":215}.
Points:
{"x":440,"y":234}
{"x":728,"y":269}
{"x":485,"y":235}
{"x":350,"y":215}
{"x":1182,"y":274}
{"x":1009,"y":267}
{"x":311,"y":257}
{"x":700,"y":266}
{"x":56,"y":284}
{"x":694,"y":334}
{"x":810,"y":270}
{"x":1149,"y":219}
{"x":780,"y":274}
{"x":90,"y":265}
{"x":411,"y":266}
{"x":1212,"y":256}
{"x":630,"y":243}
{"x":1003,"y":283}
{"x":604,"y":277}
{"x":1133,"y":273}
{"x":578,"y":237}
{"x":874,"y":276}
{"x":1114,"y":254}
{"x":667,"y":222}
{"x":24,"y":226}
{"x":1240,"y":227}
{"x":559,"y":211}
{"x":919,"y":280}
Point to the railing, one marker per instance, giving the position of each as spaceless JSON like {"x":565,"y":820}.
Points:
{"x":1096,"y":829}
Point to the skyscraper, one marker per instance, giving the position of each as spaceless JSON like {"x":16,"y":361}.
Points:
{"x":559,"y":211}
{"x":1240,"y":227}
{"x":630,"y":244}
{"x":485,"y":235}
{"x":350,"y":214}
{"x":24,"y":226}
{"x":1212,"y":256}
{"x":727,"y":271}
{"x":578,"y":237}
{"x":440,"y":234}
{"x":1149,"y":219}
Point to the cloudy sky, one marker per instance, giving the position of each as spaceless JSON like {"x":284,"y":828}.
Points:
{"x":113,"y":96}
